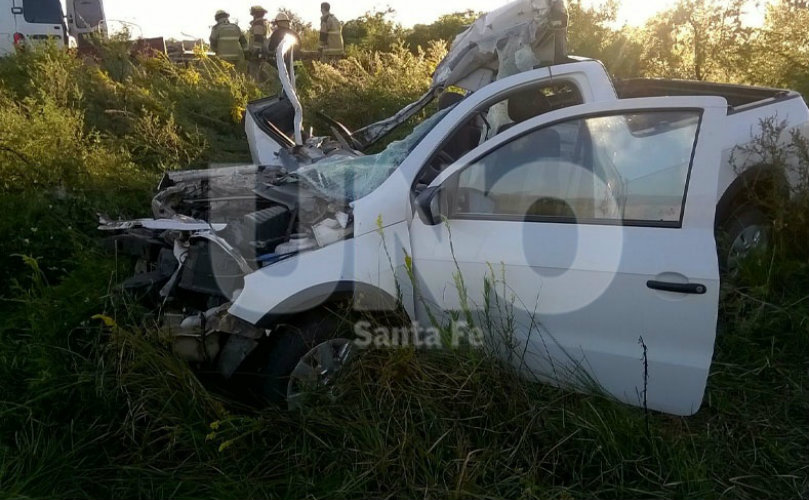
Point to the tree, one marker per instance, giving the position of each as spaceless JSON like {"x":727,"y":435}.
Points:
{"x":697,"y":39}
{"x":590,"y":34}
{"x":374,"y":31}
{"x":446,"y":28}
{"x":780,"y":49}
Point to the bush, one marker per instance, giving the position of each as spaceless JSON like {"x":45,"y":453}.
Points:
{"x":369,"y":86}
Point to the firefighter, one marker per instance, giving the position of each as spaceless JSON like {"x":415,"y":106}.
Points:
{"x":331,"y":33}
{"x":258,"y":32}
{"x":227,"y":40}
{"x":281,"y":29}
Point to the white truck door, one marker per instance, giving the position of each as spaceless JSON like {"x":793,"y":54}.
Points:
{"x":7,"y":27}
{"x":583,"y":241}
{"x":85,"y":17}
{"x":40,"y":21}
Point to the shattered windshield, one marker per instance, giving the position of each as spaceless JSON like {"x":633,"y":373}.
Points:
{"x":355,"y":177}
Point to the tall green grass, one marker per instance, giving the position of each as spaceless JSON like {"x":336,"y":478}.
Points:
{"x":95,"y":410}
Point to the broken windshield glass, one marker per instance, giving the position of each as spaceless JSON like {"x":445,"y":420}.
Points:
{"x":355,"y":177}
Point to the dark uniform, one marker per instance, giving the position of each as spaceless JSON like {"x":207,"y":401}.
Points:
{"x":227,"y":40}
{"x":257,"y":36}
{"x":331,"y":33}
{"x":275,"y":41}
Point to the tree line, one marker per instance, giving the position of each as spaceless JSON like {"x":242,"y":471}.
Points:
{"x":710,"y":40}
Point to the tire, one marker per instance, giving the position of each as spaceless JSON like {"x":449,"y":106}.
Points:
{"x":747,"y":230}
{"x":289,"y":344}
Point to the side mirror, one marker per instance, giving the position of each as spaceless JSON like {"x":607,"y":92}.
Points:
{"x":428,"y":207}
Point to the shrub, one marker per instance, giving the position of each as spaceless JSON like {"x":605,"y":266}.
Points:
{"x":369,"y":86}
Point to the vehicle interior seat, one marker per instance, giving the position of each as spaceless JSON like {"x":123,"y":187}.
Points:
{"x":524,"y":106}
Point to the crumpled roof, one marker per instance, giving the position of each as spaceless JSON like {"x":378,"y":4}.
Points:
{"x":512,"y":39}
{"x":509,"y":40}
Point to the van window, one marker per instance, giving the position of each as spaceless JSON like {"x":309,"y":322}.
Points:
{"x":42,"y":11}
{"x":88,"y":13}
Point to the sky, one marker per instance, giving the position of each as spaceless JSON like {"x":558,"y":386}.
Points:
{"x":193,"y":18}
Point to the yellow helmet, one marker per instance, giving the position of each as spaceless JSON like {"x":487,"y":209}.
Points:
{"x":257,"y":9}
{"x":220,"y":13}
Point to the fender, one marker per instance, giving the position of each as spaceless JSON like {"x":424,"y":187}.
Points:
{"x":746,"y":187}
{"x":358,"y":269}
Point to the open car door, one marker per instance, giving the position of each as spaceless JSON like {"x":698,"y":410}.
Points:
{"x":582,"y":242}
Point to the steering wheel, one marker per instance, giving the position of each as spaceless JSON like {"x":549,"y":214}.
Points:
{"x":340,"y":130}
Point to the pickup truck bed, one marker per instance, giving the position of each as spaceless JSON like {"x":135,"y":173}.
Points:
{"x":736,"y":95}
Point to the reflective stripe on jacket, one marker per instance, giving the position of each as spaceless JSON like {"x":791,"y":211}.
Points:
{"x":227,"y":41}
{"x":259,"y":29}
{"x":331,"y":35}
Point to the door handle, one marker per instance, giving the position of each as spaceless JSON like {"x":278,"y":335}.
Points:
{"x":667,"y":286}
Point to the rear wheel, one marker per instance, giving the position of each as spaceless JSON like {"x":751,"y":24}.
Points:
{"x":745,"y":232}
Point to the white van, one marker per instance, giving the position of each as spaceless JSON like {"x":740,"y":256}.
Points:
{"x":29,"y":21}
{"x":25,"y":22}
{"x":84,"y":18}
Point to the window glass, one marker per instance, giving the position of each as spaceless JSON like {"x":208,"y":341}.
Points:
{"x":494,"y":118}
{"x":628,"y":167}
{"x":88,"y":13}
{"x":42,"y":11}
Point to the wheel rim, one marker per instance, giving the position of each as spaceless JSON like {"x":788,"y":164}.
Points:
{"x":317,"y":368}
{"x":751,"y":238}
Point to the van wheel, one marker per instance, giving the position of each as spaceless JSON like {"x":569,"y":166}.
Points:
{"x":304,"y":355}
{"x":746,"y":231}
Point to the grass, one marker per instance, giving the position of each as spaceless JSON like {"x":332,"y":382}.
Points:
{"x":100,"y":411}
{"x":98,"y":406}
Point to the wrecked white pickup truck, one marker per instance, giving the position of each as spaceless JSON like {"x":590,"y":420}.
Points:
{"x":579,"y":211}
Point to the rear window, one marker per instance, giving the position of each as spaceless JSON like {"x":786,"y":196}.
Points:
{"x":42,"y":11}
{"x":88,"y":13}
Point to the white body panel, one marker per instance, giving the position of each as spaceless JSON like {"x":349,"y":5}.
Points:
{"x":86,"y":17}
{"x":577,"y":293}
{"x":373,"y":261}
{"x":7,"y":27}
{"x":28,"y":22}
{"x":263,"y":149}
{"x":586,"y":284}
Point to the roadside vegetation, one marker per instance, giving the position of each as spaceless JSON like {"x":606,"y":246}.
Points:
{"x":94,"y":404}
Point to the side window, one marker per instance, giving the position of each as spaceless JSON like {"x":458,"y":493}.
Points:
{"x":621,"y":168}
{"x":494,"y":118}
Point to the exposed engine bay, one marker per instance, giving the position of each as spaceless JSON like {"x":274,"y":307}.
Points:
{"x":210,"y":229}
{"x":221,"y":224}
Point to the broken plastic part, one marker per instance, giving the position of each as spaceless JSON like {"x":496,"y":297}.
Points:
{"x":329,"y":231}
{"x":176,"y":223}
{"x":298,"y":243}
